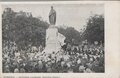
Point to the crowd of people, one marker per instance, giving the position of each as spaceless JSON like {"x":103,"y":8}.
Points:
{"x":84,"y":58}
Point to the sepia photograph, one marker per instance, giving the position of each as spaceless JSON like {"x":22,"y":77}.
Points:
{"x":53,"y":38}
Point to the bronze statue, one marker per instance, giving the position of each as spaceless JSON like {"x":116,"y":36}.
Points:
{"x":52,"y":16}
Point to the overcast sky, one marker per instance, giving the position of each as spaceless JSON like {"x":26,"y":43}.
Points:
{"x":67,"y":14}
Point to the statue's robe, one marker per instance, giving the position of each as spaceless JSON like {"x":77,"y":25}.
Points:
{"x":52,"y":17}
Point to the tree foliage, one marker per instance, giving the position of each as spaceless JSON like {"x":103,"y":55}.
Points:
{"x":71,"y":35}
{"x":23,"y":29}
{"x":95,"y":29}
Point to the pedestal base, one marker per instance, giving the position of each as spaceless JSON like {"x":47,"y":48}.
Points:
{"x":52,"y":42}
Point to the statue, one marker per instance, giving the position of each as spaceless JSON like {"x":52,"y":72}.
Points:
{"x":52,"y":16}
{"x":54,"y":40}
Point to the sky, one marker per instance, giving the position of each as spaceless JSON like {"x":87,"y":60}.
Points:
{"x":71,"y":15}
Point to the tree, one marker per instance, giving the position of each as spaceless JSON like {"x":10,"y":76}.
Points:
{"x":24,"y":29}
{"x":94,"y":29}
{"x":71,"y":34}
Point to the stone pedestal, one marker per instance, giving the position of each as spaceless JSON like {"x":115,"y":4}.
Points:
{"x":52,"y":43}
